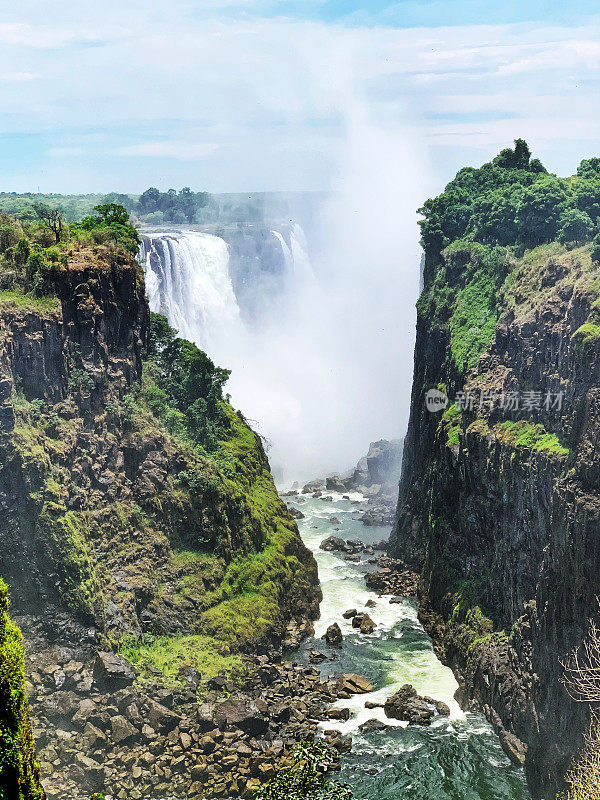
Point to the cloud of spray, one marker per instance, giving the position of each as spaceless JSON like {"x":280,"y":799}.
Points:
{"x":332,"y":369}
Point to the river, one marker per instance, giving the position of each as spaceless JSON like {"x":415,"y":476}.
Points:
{"x":455,"y":758}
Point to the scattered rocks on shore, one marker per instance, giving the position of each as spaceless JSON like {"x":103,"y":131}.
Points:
{"x":99,"y":729}
{"x":393,"y":578}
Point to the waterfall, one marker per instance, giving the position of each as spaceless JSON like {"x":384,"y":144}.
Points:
{"x":187,"y":280}
{"x":297,"y":259}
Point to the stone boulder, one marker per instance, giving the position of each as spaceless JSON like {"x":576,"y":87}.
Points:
{"x":408,"y":706}
{"x":248,"y":716}
{"x":350,"y":683}
{"x":335,"y":484}
{"x":160,"y":718}
{"x":333,"y":635}
{"x":112,"y":672}
{"x":121,"y":729}
{"x":295,"y":512}
{"x":313,"y":486}
{"x":333,"y":543}
{"x":364,"y":623}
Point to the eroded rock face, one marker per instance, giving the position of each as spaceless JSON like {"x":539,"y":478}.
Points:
{"x":92,"y":497}
{"x":511,"y":518}
{"x":98,"y":502}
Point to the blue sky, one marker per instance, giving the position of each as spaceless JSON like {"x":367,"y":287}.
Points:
{"x":270,"y":94}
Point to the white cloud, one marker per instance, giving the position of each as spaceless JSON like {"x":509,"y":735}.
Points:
{"x":184,"y":151}
{"x":17,"y":77}
{"x":265,"y":103}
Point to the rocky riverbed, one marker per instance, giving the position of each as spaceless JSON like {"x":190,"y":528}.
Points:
{"x":99,"y":728}
{"x":366,"y":677}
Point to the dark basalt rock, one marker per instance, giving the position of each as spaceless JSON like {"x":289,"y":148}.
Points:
{"x":112,"y":672}
{"x":513,"y":522}
{"x":372,"y":725}
{"x":333,"y":635}
{"x":408,"y":706}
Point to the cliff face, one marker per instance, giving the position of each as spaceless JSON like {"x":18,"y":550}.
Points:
{"x":106,"y":511}
{"x":499,"y":506}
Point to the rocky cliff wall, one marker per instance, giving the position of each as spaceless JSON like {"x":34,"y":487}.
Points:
{"x":107,"y":513}
{"x":499,"y":507}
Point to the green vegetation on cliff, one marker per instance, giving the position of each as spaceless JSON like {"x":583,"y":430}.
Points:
{"x":19,"y":773}
{"x":36,"y":249}
{"x":140,"y":498}
{"x":184,"y":389}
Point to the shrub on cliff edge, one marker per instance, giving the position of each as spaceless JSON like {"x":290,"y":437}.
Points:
{"x":19,"y":772}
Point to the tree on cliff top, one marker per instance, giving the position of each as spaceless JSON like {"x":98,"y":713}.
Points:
{"x":52,"y":218}
{"x":114,"y":219}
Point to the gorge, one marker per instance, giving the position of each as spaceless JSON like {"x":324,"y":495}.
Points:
{"x":185,"y":623}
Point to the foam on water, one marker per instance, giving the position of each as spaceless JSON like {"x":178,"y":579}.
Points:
{"x":455,"y":757}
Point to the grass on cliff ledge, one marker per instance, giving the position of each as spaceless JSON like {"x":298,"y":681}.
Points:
{"x":256,"y":583}
{"x":534,"y":437}
{"x":29,"y":302}
{"x":522,"y":433}
{"x":249,"y":604}
{"x":170,"y":654}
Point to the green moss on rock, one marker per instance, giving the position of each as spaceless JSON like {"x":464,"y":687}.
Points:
{"x":19,"y":772}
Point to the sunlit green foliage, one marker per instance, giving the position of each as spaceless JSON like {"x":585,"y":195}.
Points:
{"x":306,"y":778}
{"x":575,"y":226}
{"x":184,"y":388}
{"x":19,"y":773}
{"x":511,"y":201}
{"x":170,"y":654}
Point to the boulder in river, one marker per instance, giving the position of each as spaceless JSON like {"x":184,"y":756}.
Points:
{"x":295,"y":512}
{"x":316,"y":657}
{"x":350,"y":683}
{"x":408,"y":706}
{"x":333,"y":543}
{"x":372,"y":725}
{"x":367,"y":625}
{"x":334,"y":484}
{"x":352,"y":612}
{"x":333,"y":635}
{"x":313,"y":486}
{"x":364,"y":623}
{"x":341,"y":714}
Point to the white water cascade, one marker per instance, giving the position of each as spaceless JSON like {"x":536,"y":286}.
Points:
{"x":187,"y":279}
{"x":314,"y":364}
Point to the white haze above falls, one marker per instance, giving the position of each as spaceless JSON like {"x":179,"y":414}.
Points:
{"x":328,"y":366}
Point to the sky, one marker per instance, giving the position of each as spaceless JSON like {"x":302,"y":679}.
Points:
{"x":259,"y":95}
